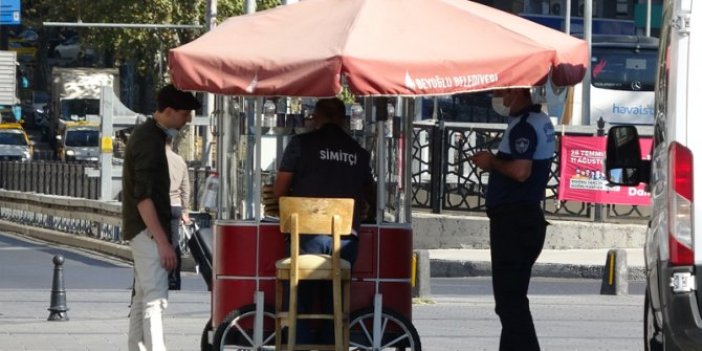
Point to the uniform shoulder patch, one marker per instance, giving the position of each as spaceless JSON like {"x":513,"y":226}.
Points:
{"x":521,"y":145}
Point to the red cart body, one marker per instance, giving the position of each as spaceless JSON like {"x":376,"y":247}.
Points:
{"x":246,"y":252}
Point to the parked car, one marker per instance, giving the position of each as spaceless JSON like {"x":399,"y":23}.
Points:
{"x":14,"y":143}
{"x":71,"y":49}
{"x":673,"y":249}
{"x":26,"y":51}
{"x":28,"y":35}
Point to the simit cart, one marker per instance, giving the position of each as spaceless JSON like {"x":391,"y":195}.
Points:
{"x":313,"y":48}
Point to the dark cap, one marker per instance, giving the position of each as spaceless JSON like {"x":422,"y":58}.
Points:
{"x":170,"y":96}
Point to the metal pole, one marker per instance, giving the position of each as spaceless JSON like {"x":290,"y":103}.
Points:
{"x":253,"y":125}
{"x":407,"y":142}
{"x":222,"y":136}
{"x":587,"y":35}
{"x":437,"y":166}
{"x":381,"y":110}
{"x":567,"y":17}
{"x":598,"y":207}
{"x":208,"y":108}
{"x":258,"y":110}
{"x":648,"y":18}
{"x":106,"y":112}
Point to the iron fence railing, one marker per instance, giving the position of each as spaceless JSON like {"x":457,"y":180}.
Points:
{"x":50,"y":177}
{"x":74,"y":179}
{"x":444,"y":179}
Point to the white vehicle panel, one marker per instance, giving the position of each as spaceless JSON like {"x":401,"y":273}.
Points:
{"x":694,"y":114}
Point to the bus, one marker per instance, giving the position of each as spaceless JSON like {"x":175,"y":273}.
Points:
{"x":623,"y":72}
{"x":622,"y":79}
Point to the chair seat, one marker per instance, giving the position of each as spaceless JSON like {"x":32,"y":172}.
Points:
{"x":312,"y":267}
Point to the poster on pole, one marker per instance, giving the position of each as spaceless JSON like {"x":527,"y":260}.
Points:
{"x":10,"y":12}
{"x":582,"y":175}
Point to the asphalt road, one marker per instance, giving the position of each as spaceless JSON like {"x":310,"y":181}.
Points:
{"x":569,"y":314}
{"x":28,"y":264}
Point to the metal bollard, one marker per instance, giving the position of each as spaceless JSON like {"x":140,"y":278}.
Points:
{"x":615,"y":278}
{"x":421,"y":274}
{"x":58,"y":293}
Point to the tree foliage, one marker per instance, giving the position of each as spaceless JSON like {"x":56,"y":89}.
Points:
{"x":141,"y":46}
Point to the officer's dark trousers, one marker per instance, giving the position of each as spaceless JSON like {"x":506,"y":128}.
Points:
{"x":517,"y":234}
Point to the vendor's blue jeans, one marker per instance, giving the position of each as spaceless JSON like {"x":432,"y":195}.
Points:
{"x":311,"y":290}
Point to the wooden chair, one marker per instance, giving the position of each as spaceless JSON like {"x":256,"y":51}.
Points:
{"x":299,"y":216}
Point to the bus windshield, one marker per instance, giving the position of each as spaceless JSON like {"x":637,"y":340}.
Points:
{"x":77,"y":109}
{"x":624,"y":69}
{"x":83,"y":138}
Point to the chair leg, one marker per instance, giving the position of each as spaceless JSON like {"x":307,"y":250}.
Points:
{"x":347,"y":313}
{"x":278,"y":308}
{"x":338,"y":315}
{"x":292,"y":315}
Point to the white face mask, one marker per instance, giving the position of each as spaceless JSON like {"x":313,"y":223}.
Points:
{"x":171,"y":132}
{"x":499,"y":107}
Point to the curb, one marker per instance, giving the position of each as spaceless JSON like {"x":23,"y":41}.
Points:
{"x":458,"y":269}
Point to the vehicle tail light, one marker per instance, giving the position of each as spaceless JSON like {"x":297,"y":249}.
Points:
{"x":680,"y":202}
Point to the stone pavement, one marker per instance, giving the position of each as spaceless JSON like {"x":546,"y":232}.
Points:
{"x":97,"y":320}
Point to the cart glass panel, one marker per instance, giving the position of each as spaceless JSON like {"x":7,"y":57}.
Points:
{"x":262,"y":128}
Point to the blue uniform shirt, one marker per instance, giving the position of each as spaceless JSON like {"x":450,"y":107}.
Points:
{"x":528,"y":137}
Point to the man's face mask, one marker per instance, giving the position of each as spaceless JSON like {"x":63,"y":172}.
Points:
{"x":499,"y":107}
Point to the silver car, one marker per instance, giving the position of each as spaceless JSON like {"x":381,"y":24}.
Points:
{"x":14,"y":145}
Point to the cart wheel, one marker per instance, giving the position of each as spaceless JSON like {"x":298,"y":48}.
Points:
{"x":397,"y":332}
{"x":204,"y":340}
{"x":236,"y":330}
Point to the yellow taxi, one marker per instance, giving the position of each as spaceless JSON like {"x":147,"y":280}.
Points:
{"x":14,"y":143}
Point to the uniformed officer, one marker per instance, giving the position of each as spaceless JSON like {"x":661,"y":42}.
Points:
{"x":516,"y":186}
{"x":326,"y":162}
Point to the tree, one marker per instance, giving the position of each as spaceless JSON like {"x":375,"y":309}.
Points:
{"x":145,"y":48}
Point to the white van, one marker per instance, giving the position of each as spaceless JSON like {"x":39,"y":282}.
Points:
{"x":673,"y":315}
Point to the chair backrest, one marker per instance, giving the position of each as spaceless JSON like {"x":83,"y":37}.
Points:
{"x":315,"y":214}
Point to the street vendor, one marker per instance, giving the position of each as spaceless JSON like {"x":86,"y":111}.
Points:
{"x":326,"y":162}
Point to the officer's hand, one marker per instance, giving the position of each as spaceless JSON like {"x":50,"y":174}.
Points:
{"x":482,"y":159}
{"x":167,"y":255}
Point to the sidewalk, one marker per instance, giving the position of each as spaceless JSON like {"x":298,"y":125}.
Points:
{"x":574,"y":263}
{"x":97,"y":320}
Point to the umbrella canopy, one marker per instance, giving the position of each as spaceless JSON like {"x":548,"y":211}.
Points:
{"x":379,"y":47}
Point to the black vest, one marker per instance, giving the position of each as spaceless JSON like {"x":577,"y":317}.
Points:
{"x":332,"y":164}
